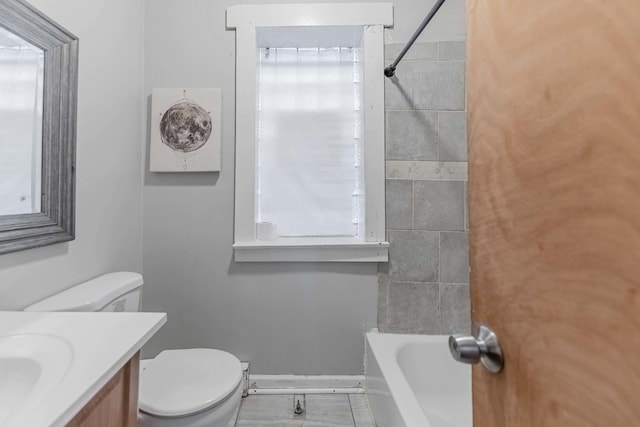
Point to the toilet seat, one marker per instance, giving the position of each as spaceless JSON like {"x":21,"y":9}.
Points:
{"x":184,"y":382}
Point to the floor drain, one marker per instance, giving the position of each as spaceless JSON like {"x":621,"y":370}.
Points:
{"x":298,"y":404}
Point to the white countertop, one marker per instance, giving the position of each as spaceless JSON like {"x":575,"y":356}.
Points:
{"x":101,"y":344}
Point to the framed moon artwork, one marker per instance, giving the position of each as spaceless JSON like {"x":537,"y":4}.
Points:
{"x":185,"y":130}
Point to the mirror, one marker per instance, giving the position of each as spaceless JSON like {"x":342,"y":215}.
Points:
{"x":38,"y":96}
{"x":21,"y":94}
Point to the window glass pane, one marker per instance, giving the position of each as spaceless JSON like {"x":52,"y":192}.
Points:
{"x":309,"y":141}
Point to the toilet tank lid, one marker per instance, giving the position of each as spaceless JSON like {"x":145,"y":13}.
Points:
{"x":91,"y":295}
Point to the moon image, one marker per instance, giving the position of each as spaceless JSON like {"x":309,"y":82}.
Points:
{"x":185,"y":127}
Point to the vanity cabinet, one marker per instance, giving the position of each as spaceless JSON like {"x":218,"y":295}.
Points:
{"x":116,"y":404}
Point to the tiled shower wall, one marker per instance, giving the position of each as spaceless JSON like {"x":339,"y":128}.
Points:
{"x":424,"y":288}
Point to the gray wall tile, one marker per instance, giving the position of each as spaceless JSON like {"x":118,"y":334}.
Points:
{"x":421,"y":288}
{"x":455,"y":309}
{"x":413,"y":307}
{"x":438,"y":205}
{"x":411,"y":135}
{"x":399,"y":204}
{"x":452,"y":136}
{"x":398,"y":90}
{"x":452,"y":50}
{"x":413,"y":256}
{"x":466,"y":206}
{"x":454,"y":257}
{"x":427,"y":50}
{"x":439,"y":85}
{"x":426,"y":170}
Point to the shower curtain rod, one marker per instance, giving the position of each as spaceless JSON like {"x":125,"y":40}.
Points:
{"x":391,"y":69}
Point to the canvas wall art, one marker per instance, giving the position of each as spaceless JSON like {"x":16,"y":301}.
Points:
{"x":185,"y":130}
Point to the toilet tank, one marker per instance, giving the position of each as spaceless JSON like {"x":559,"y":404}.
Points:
{"x":120,"y":291}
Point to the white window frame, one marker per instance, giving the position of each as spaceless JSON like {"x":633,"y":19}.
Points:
{"x":373,"y":17}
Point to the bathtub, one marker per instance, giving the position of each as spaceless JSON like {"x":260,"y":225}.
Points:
{"x":412,"y":381}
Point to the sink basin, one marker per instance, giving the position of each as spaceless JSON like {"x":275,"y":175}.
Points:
{"x":31,"y":366}
{"x":53,"y":364}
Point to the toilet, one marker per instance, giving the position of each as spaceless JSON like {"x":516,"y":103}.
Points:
{"x":194,"y":387}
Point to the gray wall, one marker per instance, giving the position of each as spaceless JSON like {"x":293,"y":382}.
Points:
{"x":424,"y":288}
{"x":285,"y":318}
{"x":298,"y":318}
{"x":109,"y":156}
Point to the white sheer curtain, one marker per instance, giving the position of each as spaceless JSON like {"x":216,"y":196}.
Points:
{"x":310,"y":179}
{"x":21,"y":97}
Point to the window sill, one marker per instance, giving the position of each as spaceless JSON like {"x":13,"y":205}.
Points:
{"x":311,"y":250}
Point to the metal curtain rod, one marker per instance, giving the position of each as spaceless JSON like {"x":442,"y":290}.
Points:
{"x":391,"y":69}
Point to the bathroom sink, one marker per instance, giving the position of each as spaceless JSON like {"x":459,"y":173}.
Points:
{"x":53,"y":364}
{"x":31,"y":366}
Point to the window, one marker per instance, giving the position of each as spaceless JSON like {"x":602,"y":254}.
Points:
{"x":310,"y":132}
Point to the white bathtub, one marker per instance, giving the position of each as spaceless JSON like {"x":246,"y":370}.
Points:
{"x":412,"y":381}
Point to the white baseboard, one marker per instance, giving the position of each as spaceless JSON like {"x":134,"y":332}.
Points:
{"x":306,"y":384}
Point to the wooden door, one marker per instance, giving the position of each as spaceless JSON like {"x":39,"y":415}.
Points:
{"x":554,"y":209}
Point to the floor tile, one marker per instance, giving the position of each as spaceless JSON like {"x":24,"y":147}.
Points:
{"x":324,"y":424}
{"x":280,"y":423}
{"x":233,"y":420}
{"x":321,"y":410}
{"x":361,"y":412}
{"x":265,"y":408}
{"x":329,"y":410}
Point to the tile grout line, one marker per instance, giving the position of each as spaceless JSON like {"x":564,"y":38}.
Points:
{"x":386,"y":311}
{"x":438,"y":136}
{"x":439,"y":257}
{"x":439,"y":313}
{"x":353,"y":417}
{"x":413,"y":204}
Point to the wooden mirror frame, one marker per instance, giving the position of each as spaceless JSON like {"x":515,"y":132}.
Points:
{"x":56,"y":220}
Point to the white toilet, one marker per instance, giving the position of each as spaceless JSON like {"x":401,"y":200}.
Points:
{"x":179,"y":388}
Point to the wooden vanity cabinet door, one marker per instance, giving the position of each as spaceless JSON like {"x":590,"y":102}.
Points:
{"x":116,"y":405}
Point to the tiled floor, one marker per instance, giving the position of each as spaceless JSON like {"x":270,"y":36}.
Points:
{"x":321,"y":410}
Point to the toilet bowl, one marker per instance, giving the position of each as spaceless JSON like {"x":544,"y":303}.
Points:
{"x":194,"y":387}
